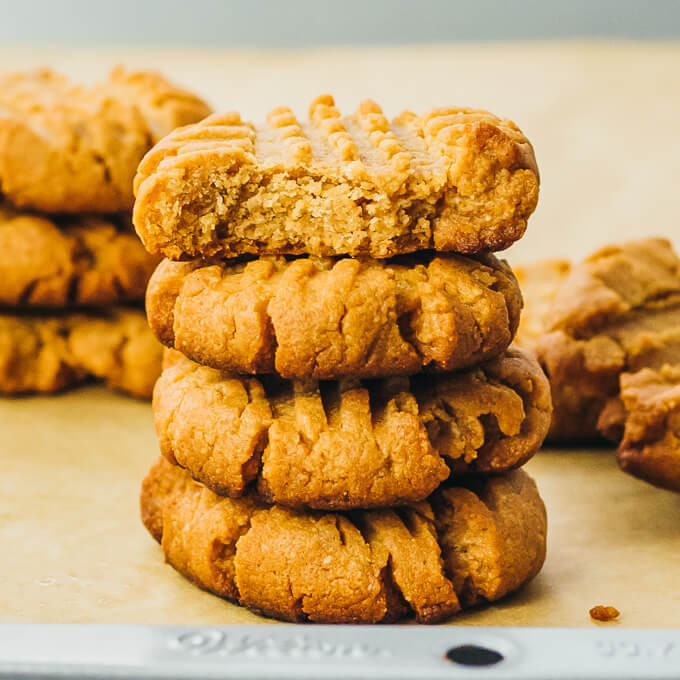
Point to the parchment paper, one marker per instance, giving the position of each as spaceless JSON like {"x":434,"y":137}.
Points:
{"x":73,"y":548}
{"x":603,"y":120}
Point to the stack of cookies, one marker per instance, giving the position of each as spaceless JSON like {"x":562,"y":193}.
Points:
{"x":69,"y":257}
{"x":340,"y":417}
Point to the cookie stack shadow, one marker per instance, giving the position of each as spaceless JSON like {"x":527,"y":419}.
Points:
{"x":72,"y":271}
{"x":340,"y":416}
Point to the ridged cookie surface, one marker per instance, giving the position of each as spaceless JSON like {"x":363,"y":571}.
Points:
{"x":70,"y":261}
{"x":349,"y":444}
{"x":452,"y":179}
{"x":68,"y":148}
{"x":616,"y":312}
{"x":463,"y":546}
{"x":325,"y":319}
{"x":47,"y":353}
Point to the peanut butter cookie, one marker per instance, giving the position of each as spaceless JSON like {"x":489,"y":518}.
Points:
{"x":452,"y":179}
{"x":645,"y":422}
{"x":47,"y":353}
{"x":70,"y":261}
{"x":467,"y":544}
{"x":328,"y":319}
{"x":539,"y":283}
{"x":67,"y":148}
{"x":348,"y":444}
{"x":616,"y":312}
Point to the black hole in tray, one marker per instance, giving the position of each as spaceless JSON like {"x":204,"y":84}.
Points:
{"x":473,"y":655}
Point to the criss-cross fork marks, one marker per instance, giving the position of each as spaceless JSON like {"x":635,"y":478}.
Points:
{"x":615,"y":313}
{"x":67,"y":148}
{"x":312,"y":318}
{"x":452,"y":179}
{"x":348,"y":444}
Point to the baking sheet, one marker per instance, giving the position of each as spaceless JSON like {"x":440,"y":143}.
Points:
{"x":602,"y":118}
{"x":73,"y":548}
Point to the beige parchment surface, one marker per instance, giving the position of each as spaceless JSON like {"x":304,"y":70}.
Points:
{"x":73,"y":548}
{"x":603,"y":120}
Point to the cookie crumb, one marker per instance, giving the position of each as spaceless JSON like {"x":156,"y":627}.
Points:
{"x":603,"y":613}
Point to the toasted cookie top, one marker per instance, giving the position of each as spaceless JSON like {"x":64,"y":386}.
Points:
{"x":336,"y":318}
{"x":69,"y":148}
{"x":452,"y":179}
{"x":349,"y":444}
{"x":465,"y":545}
{"x":614,"y":285}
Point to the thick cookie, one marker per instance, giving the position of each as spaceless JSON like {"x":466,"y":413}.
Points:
{"x":347,"y":444}
{"x":70,"y":149}
{"x":616,"y":312}
{"x":50,"y":353}
{"x":453,"y":179}
{"x":70,"y":261}
{"x":463,"y":546}
{"x":325,"y":319}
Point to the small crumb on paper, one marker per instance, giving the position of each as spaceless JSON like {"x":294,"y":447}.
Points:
{"x":602,"y":613}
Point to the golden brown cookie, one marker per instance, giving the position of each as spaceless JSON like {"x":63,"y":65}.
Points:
{"x":616,"y":312}
{"x":327,"y":319}
{"x":348,"y":444}
{"x":649,"y":447}
{"x":452,"y":179}
{"x":465,"y":545}
{"x":68,"y":148}
{"x":70,"y":261}
{"x":47,"y":353}
{"x":539,"y":283}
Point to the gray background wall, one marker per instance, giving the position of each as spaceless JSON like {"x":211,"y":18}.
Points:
{"x":294,"y":23}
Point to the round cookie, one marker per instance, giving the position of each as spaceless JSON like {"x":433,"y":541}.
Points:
{"x":330,"y":319}
{"x":348,"y":444}
{"x":47,"y":353}
{"x":66,"y":148}
{"x":70,"y":261}
{"x":616,"y":312}
{"x":452,"y":179}
{"x":464,"y":545}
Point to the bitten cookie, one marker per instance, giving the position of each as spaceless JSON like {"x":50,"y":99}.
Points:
{"x":465,"y":545}
{"x":70,"y":149}
{"x":321,"y":318}
{"x":70,"y":261}
{"x":49,"y":353}
{"x":347,"y":444}
{"x":452,"y":179}
{"x":616,"y":312}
